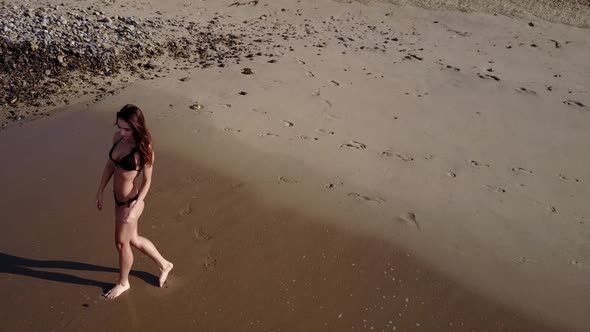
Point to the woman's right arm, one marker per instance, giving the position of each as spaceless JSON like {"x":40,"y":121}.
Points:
{"x":107,"y":173}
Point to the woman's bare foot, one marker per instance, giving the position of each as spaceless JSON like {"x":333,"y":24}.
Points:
{"x":164,"y":272}
{"x":116,"y":291}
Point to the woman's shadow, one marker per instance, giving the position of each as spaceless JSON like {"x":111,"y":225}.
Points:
{"x":23,"y":266}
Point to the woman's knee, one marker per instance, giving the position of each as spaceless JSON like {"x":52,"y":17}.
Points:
{"x":134,"y":241}
{"x":122,"y":245}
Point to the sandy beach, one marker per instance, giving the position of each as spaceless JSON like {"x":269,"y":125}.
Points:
{"x":378,"y":166}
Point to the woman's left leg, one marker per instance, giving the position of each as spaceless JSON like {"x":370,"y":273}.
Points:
{"x":148,"y":248}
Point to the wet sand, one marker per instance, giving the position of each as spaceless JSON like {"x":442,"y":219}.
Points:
{"x":240,"y":264}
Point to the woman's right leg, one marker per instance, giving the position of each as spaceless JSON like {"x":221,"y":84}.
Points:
{"x":124,"y":230}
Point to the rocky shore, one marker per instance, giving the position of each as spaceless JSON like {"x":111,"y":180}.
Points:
{"x":46,"y":49}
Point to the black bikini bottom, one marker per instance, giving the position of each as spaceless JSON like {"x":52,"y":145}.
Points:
{"x":128,"y":203}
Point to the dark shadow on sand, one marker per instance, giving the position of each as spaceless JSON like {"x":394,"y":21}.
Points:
{"x":23,"y":266}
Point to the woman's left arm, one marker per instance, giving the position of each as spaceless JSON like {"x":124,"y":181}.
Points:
{"x":145,"y":187}
{"x":147,"y":180}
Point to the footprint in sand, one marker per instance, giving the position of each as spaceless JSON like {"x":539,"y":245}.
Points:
{"x":190,"y":179}
{"x":268,"y":134}
{"x":238,"y":4}
{"x":452,"y":68}
{"x":404,"y":157}
{"x":460,"y":33}
{"x":354,"y":145}
{"x":226,"y":105}
{"x":521,"y":170}
{"x":330,"y":115}
{"x":488,"y":77}
{"x":185,"y":210}
{"x":386,"y":154}
{"x":475,"y":163}
{"x":571,"y":102}
{"x":334,"y":83}
{"x":287,"y":123}
{"x":411,"y":56}
{"x":247,"y":71}
{"x":259,"y":111}
{"x":409,"y":219}
{"x":366,"y":198}
{"x":233,"y":130}
{"x":310,"y":74}
{"x":196,"y":107}
{"x":568,"y":179}
{"x":526,"y":91}
{"x":555,"y":43}
{"x":236,"y":185}
{"x":210,"y":262}
{"x":201,"y":235}
{"x":332,"y":183}
{"x":173,"y":283}
{"x":329,"y":103}
{"x":495,"y":189}
{"x":316,"y":92}
{"x":447,"y":67}
{"x":451,"y":174}
{"x":283,"y":179}
{"x":307,"y":138}
{"x":324,"y":132}
{"x":199,"y":108}
{"x":525,"y":260}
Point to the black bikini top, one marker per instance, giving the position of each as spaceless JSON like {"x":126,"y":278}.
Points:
{"x":126,"y":162}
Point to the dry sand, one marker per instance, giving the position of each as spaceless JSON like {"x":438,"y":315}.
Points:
{"x":572,"y":12}
{"x":438,"y":181}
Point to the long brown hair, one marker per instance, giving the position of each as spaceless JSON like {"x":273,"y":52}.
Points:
{"x":134,"y":116}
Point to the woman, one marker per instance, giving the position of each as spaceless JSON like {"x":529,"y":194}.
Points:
{"x":131,"y":154}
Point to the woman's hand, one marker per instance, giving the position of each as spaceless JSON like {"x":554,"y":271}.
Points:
{"x":99,"y":201}
{"x":134,"y":211}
